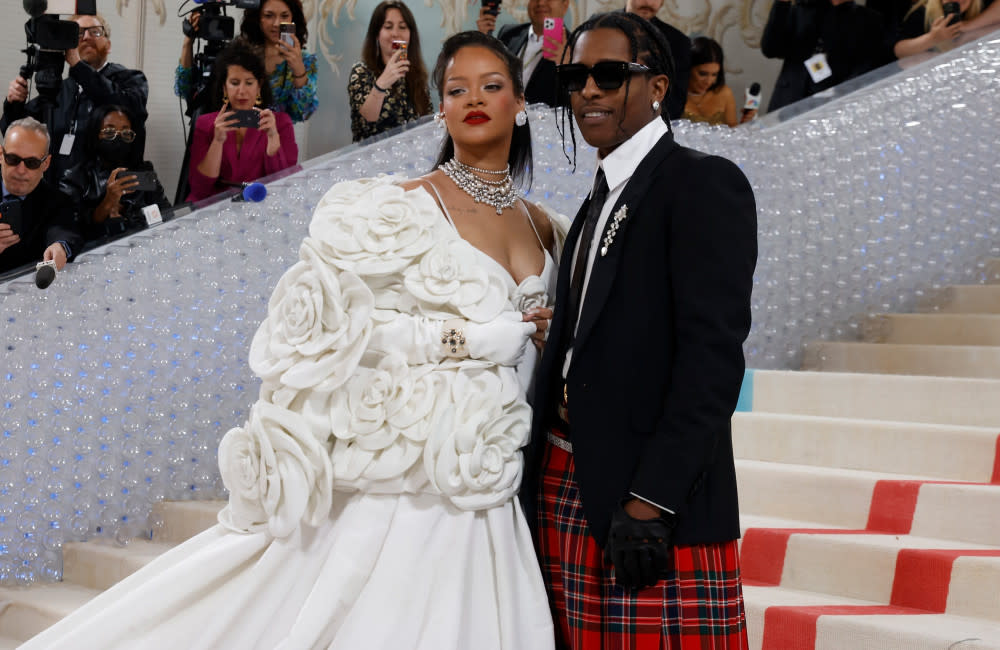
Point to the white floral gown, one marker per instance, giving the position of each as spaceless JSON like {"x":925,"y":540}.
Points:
{"x":372,"y":494}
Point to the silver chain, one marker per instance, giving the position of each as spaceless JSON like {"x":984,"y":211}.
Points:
{"x":498,"y":194}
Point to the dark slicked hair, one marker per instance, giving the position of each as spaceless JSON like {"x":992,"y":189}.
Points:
{"x":648,"y":46}
{"x":519,"y":157}
{"x":705,"y":50}
{"x":243,"y":54}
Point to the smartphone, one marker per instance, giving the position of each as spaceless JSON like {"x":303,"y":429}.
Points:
{"x":952,"y":9}
{"x":248,"y":117}
{"x":285,"y":32}
{"x":400,"y":45}
{"x":147,"y":180}
{"x":552,"y":30}
{"x":10,"y":213}
{"x":492,"y":7}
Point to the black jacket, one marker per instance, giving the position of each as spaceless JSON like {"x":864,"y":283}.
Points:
{"x":114,"y":84}
{"x":542,"y":87}
{"x":852,"y":37}
{"x":658,"y":358}
{"x":680,"y":48}
{"x":47,"y":216}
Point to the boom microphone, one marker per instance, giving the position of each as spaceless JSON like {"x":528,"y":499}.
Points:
{"x":253,"y":192}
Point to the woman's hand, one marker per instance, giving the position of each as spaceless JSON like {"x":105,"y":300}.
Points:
{"x":225,"y":122}
{"x":117,"y":188}
{"x":269,"y":125}
{"x":395,"y":70}
{"x":541,"y":317}
{"x":292,"y":55}
{"x":941,"y":31}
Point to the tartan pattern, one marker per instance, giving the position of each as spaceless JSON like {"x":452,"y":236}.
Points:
{"x":698,"y":607}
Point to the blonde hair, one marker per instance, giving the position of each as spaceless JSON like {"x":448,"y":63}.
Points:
{"x":934,"y":9}
{"x":104,"y":23}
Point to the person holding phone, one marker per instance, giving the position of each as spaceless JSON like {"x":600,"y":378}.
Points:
{"x":106,"y":185}
{"x":388,"y":87}
{"x":36,"y":221}
{"x":242,"y":140}
{"x":933,"y":23}
{"x":291,"y":71}
{"x":539,"y":50}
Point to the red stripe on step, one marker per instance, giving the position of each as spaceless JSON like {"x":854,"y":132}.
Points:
{"x":892,"y":507}
{"x":794,"y":628}
{"x":762,"y":552}
{"x":996,"y":463}
{"x":923,"y":575}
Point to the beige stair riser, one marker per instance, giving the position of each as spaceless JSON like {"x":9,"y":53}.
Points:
{"x":99,"y":566}
{"x":964,"y":299}
{"x":182,"y":520}
{"x":23,"y":622}
{"x":934,"y":329}
{"x":903,"y":359}
{"x":943,"y":452}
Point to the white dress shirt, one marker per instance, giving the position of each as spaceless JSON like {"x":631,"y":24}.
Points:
{"x":531,"y":54}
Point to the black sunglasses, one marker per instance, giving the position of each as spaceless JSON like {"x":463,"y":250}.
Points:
{"x":13,"y":160}
{"x":608,"y":75}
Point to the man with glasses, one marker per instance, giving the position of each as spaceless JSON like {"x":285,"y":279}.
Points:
{"x":539,"y":55}
{"x":92,"y":81}
{"x":37,"y":222}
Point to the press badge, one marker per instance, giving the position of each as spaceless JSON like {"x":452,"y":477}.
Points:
{"x":152,"y":214}
{"x":67,"y":144}
{"x":818,"y":68}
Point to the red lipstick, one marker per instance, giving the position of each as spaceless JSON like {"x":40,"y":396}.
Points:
{"x":476,"y":117}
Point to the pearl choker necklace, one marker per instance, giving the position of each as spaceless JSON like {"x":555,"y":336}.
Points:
{"x":498,"y":194}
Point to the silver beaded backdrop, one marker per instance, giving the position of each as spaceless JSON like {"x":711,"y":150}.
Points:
{"x":117,"y":382}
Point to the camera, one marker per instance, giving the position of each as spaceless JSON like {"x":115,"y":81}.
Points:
{"x":216,"y":29}
{"x":48,"y":39}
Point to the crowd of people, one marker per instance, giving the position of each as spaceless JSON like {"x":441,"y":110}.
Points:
{"x":265,"y":81}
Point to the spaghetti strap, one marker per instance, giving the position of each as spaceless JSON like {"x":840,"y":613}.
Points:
{"x":440,"y":201}
{"x":527,"y":213}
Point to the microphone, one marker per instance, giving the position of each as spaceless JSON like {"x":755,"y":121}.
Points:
{"x":253,"y":192}
{"x":45,"y":274}
{"x":751,"y":98}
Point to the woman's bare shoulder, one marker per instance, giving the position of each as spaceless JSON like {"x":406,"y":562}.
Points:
{"x":542,"y":223}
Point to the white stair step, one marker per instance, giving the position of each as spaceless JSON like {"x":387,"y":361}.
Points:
{"x":24,"y":612}
{"x":861,"y":631}
{"x":941,"y":451}
{"x":934,"y":329}
{"x":903,"y":359}
{"x":183,"y":520}
{"x":99,"y":565}
{"x":944,"y":400}
{"x":863,"y":566}
{"x":965,"y":299}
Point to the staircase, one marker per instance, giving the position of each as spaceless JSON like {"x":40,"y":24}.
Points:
{"x":870,"y":485}
{"x":869,"y":492}
{"x":91,"y":567}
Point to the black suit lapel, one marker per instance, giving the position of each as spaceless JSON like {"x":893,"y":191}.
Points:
{"x":602,"y":275}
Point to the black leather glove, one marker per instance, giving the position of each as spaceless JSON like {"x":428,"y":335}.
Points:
{"x":639,"y":549}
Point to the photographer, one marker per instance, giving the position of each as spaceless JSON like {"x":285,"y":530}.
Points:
{"x":823,"y":43}
{"x":92,"y":81}
{"x":104,"y":185}
{"x":36,"y":221}
{"x":241,"y":141}
{"x":291,"y":71}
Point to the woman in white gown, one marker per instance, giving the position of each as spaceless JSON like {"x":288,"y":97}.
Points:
{"x":372,"y":491}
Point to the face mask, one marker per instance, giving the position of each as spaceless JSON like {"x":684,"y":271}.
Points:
{"x":114,"y":151}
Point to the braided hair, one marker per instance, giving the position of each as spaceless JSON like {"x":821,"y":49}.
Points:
{"x":648,"y":47}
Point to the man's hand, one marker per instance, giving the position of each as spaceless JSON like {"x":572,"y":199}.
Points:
{"x":72,"y":57}
{"x":486,"y":22}
{"x":542,"y":318}
{"x":18,"y":90}
{"x":55,"y":253}
{"x":7,"y":236}
{"x":639,"y":548}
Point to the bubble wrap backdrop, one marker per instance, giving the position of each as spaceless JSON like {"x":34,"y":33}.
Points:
{"x":117,"y":382}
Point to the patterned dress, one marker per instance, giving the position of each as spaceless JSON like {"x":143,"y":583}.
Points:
{"x":396,"y":107}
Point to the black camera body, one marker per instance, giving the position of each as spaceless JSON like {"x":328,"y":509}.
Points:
{"x":215,"y":26}
{"x":48,"y":39}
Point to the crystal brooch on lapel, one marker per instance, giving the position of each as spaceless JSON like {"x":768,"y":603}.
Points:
{"x":613,"y":229}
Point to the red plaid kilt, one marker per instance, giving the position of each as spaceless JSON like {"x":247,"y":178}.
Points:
{"x":700,"y":606}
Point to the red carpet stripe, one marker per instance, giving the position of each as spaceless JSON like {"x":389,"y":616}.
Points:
{"x":996,"y":463}
{"x":923,"y":575}
{"x":794,"y":628}
{"x":892,"y":507}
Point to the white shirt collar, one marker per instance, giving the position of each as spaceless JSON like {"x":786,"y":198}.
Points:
{"x":532,"y":36}
{"x":620,"y":164}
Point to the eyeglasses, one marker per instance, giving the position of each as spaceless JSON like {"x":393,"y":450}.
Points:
{"x":13,"y":160}
{"x":110,"y":133}
{"x":608,"y":75}
{"x":96,"y":31}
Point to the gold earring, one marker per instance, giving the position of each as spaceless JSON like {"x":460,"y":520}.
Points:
{"x":225,"y":97}
{"x":258,"y":99}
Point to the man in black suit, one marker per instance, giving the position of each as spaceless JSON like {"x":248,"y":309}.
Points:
{"x":680,"y":47}
{"x":40,"y":222}
{"x":525,"y":41}
{"x":631,"y":466}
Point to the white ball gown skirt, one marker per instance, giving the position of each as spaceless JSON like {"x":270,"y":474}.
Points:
{"x":385,"y":571}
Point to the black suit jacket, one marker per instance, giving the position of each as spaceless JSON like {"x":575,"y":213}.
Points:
{"x":542,"y":87}
{"x":680,"y":48}
{"x":658,"y":359}
{"x":47,"y":216}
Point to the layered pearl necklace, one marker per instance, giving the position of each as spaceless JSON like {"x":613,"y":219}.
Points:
{"x":498,"y":194}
